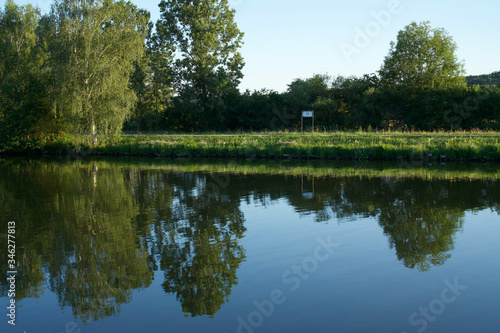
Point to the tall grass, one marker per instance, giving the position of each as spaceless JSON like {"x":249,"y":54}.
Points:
{"x":456,"y":146}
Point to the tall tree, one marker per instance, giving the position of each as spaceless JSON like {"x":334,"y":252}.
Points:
{"x":423,"y":57}
{"x":205,"y":39}
{"x":310,"y":94}
{"x":139,"y":84}
{"x":160,"y":57}
{"x":151,"y":80}
{"x":97,"y":42}
{"x":23,"y":76}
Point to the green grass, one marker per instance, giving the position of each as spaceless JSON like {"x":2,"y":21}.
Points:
{"x":414,"y":146}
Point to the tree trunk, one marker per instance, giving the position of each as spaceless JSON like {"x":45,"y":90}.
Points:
{"x":94,"y":135}
{"x":139,"y":115}
{"x":93,"y":129}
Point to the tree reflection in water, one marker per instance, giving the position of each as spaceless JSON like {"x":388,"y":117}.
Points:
{"x":94,"y":232}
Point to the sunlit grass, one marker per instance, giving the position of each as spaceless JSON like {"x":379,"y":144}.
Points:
{"x":463,"y":146}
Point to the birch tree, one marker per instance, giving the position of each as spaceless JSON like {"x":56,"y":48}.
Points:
{"x":95,"y":45}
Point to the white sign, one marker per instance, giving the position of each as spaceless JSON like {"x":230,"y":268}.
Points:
{"x":307,"y":114}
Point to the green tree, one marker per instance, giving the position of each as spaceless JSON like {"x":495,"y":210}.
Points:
{"x":423,"y":57}
{"x":24,"y":105}
{"x":152,"y":82}
{"x":310,"y":94}
{"x":484,"y":80}
{"x":302,"y":94}
{"x":160,"y":56}
{"x":95,"y":45}
{"x":205,"y":40}
{"x":259,"y":110}
{"x":350,"y":93}
{"x":139,"y":84}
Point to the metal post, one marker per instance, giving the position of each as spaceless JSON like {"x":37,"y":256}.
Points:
{"x":313,"y":123}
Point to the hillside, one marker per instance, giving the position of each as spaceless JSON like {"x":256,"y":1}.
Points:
{"x":484,"y":80}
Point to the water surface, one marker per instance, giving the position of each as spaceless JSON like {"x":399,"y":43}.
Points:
{"x":168,"y":246}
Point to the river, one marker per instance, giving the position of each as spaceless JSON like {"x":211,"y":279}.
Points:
{"x":154,"y":245}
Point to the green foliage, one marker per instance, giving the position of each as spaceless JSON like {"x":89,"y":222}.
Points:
{"x":97,"y":67}
{"x":352,"y":94}
{"x":429,"y":109}
{"x":207,"y":66}
{"x":492,"y":79}
{"x":303,"y":93}
{"x":94,"y":46}
{"x":160,"y":57}
{"x":24,"y":94}
{"x":422,"y":58}
{"x":151,"y":80}
{"x":138,"y":83}
{"x":310,"y":94}
{"x":260,"y":110}
{"x":144,"y":115}
{"x":67,"y":70}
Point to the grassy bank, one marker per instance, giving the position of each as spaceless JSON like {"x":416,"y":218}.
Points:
{"x":462,"y":146}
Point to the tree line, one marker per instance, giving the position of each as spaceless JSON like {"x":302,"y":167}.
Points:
{"x":101,"y":67}
{"x":492,"y":79}
{"x":68,"y":71}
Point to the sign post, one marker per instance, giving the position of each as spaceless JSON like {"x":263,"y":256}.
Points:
{"x":306,"y":114}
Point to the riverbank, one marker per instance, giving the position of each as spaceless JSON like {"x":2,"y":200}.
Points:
{"x":369,"y":146}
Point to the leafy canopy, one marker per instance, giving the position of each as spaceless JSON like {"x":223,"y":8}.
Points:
{"x":94,"y":48}
{"x":24,"y":110}
{"x":423,"y":57}
{"x":207,"y":66}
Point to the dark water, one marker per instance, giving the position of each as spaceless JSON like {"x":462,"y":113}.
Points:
{"x":114,"y":246}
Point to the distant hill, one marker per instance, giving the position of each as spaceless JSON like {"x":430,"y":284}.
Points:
{"x":484,"y":80}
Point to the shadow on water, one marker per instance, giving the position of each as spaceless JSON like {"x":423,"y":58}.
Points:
{"x":93,"y":231}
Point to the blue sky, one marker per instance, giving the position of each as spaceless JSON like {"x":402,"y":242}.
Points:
{"x":289,"y":39}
